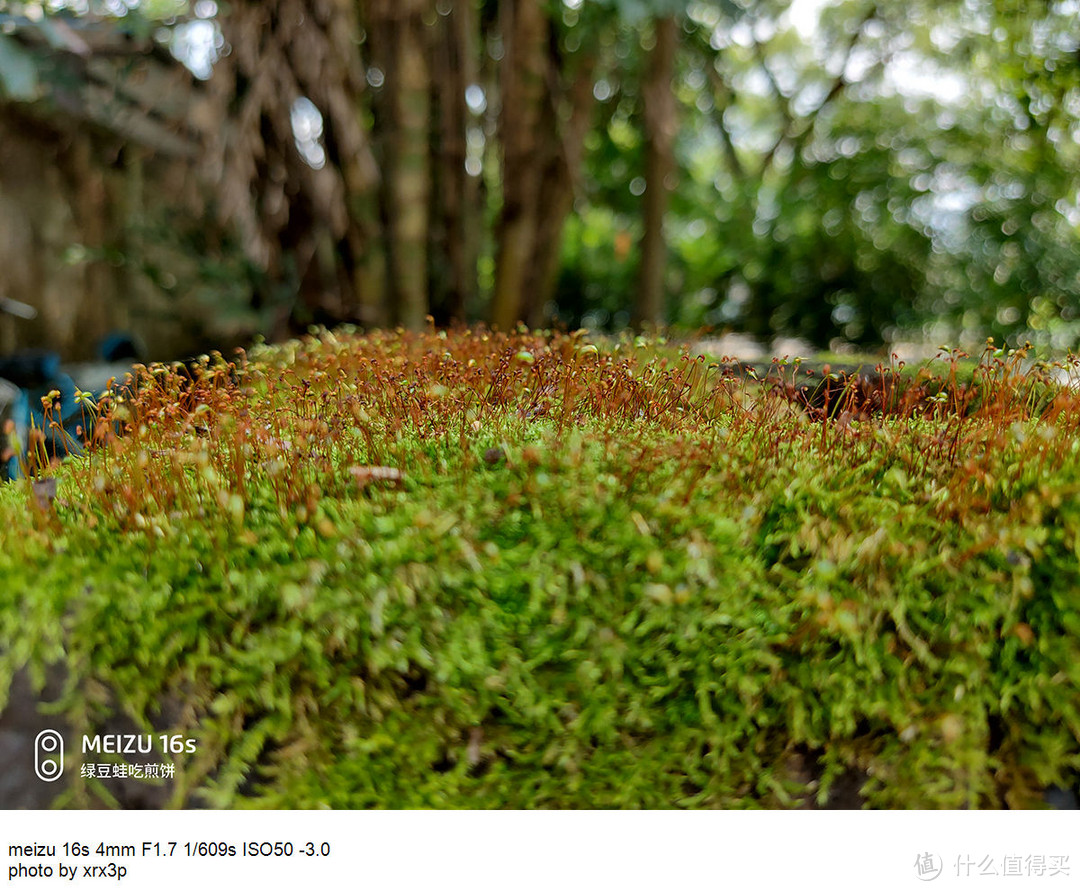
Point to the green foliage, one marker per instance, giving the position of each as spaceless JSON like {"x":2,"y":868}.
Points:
{"x":476,"y":570}
{"x":895,"y":173}
{"x":599,"y":271}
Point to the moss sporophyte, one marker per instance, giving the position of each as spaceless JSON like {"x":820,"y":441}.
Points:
{"x":474,"y":569}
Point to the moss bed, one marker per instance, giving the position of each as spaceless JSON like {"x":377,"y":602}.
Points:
{"x":470,"y":569}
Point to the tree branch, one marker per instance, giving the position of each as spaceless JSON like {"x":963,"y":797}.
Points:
{"x":721,"y":90}
{"x":795,"y":131}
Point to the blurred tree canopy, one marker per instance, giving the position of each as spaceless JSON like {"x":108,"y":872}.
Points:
{"x":850,"y":170}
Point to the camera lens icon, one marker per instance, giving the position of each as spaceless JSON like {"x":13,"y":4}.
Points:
{"x":49,"y":755}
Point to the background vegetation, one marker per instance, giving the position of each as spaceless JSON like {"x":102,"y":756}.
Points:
{"x":853,"y":171}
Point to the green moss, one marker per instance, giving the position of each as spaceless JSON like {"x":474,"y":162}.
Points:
{"x":662,"y":593}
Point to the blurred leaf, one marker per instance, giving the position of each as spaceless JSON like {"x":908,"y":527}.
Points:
{"x":62,"y":36}
{"x":18,"y":71}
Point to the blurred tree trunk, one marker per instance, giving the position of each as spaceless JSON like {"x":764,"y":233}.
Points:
{"x":456,"y":222}
{"x":566,"y":119}
{"x":525,"y":34}
{"x":661,"y":124}
{"x":402,"y":54}
{"x":547,"y":106}
{"x":310,"y":227}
